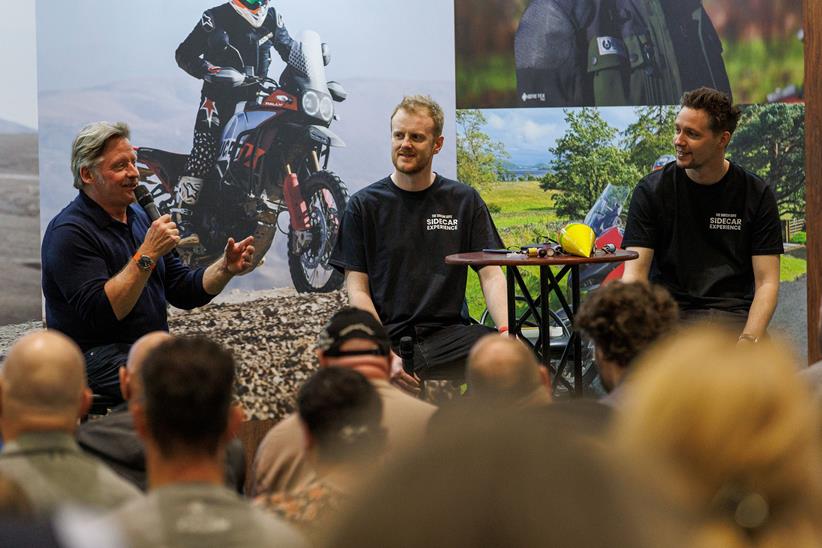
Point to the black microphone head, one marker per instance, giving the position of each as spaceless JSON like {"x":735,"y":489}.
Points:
{"x":143,"y":196}
{"x":146,"y":201}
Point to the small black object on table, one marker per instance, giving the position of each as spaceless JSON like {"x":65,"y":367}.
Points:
{"x":538,"y":307}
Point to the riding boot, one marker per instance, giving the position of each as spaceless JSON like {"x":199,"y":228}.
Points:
{"x":188,"y":192}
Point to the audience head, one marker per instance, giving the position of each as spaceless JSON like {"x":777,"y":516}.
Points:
{"x":341,"y":412}
{"x":623,"y":319}
{"x":354,"y":338}
{"x":736,"y":431}
{"x":504,"y":478}
{"x":43,"y":385}
{"x":502,"y":369}
{"x":130,"y":385}
{"x":187,"y":392}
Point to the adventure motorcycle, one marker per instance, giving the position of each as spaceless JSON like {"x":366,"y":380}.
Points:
{"x":273,"y":159}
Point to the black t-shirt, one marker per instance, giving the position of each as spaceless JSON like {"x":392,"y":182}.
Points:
{"x":703,"y":236}
{"x":400,"y":239}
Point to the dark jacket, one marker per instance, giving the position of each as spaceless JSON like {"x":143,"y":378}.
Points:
{"x":615,"y":52}
{"x":113,"y":440}
{"x":248,"y":49}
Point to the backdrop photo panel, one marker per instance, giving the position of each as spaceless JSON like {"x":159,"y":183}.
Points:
{"x":119,"y":65}
{"x":548,"y":53}
{"x":539,"y":169}
{"x":128,"y":72}
{"x":20,"y":300}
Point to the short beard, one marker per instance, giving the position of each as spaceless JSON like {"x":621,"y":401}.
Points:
{"x":409,"y":171}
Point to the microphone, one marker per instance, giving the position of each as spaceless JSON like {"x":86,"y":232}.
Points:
{"x":146,"y":201}
{"x":407,"y":354}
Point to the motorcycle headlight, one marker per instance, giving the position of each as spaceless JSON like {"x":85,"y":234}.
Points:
{"x":326,"y":108}
{"x":311,"y":103}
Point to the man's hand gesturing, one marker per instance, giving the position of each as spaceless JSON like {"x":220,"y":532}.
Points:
{"x":161,"y":238}
{"x":239,"y":256}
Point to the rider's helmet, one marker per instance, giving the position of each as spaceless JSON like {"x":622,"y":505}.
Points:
{"x":577,"y":239}
{"x":662,"y":161}
{"x":253,"y":11}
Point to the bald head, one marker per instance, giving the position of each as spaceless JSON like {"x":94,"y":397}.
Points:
{"x":43,"y":378}
{"x":142,"y":347}
{"x":502,"y":368}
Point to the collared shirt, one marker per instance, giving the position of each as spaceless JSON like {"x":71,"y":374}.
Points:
{"x":52,"y":470}
{"x":83,"y":247}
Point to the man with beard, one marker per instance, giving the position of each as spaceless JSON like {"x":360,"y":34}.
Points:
{"x":705,"y":228}
{"x":392,"y":245}
{"x":108,"y":270}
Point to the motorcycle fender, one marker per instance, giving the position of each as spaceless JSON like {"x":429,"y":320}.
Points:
{"x":325,"y":136}
{"x":297,"y":209}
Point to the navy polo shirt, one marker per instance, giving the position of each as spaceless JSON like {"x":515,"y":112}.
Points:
{"x":83,"y":247}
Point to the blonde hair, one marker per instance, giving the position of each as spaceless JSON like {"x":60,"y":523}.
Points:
{"x":717,"y":417}
{"x":416,"y":104}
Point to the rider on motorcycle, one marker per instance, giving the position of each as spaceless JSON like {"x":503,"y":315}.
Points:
{"x":238,"y":34}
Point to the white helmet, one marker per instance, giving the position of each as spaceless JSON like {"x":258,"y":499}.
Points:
{"x":253,"y":11}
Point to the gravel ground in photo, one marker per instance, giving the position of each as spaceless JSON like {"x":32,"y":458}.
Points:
{"x":273,"y":339}
{"x":271,"y":333}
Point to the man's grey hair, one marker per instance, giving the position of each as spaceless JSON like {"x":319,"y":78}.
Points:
{"x":87,"y":148}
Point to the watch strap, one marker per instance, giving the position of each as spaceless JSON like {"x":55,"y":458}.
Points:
{"x":138,"y":258}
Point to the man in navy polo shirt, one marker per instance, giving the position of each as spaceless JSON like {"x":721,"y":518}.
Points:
{"x":108,"y":271}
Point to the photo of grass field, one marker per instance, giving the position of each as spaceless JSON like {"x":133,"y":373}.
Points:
{"x":542,"y":168}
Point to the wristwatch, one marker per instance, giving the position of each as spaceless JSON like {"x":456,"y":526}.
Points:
{"x":144,"y":262}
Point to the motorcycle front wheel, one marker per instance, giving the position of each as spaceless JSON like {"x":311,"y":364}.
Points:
{"x":325,"y":197}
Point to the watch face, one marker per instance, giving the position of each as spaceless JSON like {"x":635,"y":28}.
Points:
{"x":145,"y":262}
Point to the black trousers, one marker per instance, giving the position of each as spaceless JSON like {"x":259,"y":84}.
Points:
{"x":441,"y":352}
{"x":103,"y":369}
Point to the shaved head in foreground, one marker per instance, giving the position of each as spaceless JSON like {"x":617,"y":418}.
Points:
{"x":130,"y":380}
{"x":504,"y":369}
{"x":43,"y":385}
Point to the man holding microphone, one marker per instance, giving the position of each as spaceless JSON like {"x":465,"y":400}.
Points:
{"x":108,"y":270}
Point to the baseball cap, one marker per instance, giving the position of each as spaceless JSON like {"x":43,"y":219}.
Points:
{"x":353,"y":323}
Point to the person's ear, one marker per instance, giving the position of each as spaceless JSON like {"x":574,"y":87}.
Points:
{"x":545,"y":378}
{"x":138,"y":415}
{"x":87,"y":175}
{"x":725,"y":139}
{"x":236,"y":417}
{"x":125,"y":391}
{"x":438,"y":142}
{"x":85,"y":402}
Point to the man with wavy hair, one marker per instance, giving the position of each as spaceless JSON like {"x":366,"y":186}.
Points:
{"x":623,"y":320}
{"x":705,"y":228}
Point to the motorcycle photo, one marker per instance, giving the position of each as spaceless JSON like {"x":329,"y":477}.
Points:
{"x":273,"y":160}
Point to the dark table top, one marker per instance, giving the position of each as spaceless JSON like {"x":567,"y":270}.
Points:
{"x":480,"y":258}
